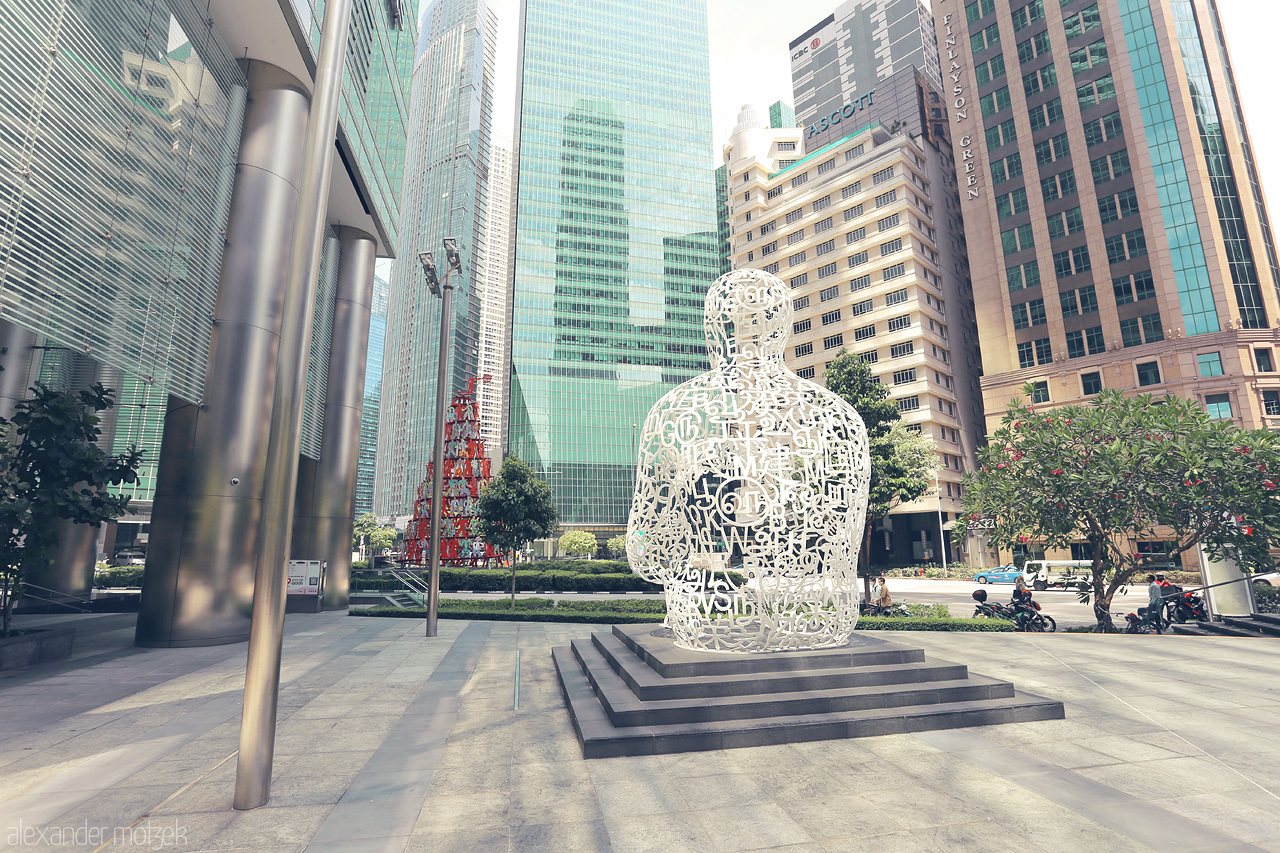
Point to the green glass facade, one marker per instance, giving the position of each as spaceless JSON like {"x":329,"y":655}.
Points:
{"x":366,"y":463}
{"x":615,"y":237}
{"x":781,"y":115}
{"x":724,"y":246}
{"x":1226,"y":197}
{"x":1182,"y":229}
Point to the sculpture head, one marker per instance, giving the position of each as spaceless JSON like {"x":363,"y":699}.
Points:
{"x":748,"y":316}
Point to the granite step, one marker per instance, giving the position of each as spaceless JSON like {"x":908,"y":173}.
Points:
{"x":1218,"y":629}
{"x":625,"y":708}
{"x":1254,"y":625}
{"x":600,"y":738}
{"x":898,"y":666}
{"x":671,"y":662}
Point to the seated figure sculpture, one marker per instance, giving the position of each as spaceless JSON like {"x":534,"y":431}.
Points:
{"x":751,"y":489}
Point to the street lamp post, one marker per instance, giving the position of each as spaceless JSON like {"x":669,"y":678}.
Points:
{"x":942,"y":534}
{"x":444,"y":290}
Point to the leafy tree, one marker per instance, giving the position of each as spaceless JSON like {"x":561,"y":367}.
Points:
{"x":376,"y":537}
{"x":1120,"y":471}
{"x":617,"y":547}
{"x":514,"y":508}
{"x":902,"y":461}
{"x":53,"y":470}
{"x":579,"y":543}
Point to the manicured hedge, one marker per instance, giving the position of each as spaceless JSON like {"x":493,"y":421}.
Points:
{"x":541,"y":580}
{"x":116,"y":577}
{"x":527,"y":610}
{"x":889,"y":623}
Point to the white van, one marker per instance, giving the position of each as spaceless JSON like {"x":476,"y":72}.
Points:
{"x":1042,"y":574}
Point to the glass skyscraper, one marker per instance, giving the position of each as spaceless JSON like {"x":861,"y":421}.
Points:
{"x":366,"y":463}
{"x":445,"y":194}
{"x":615,"y":237}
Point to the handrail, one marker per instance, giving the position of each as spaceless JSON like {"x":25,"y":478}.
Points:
{"x":1249,"y":578}
{"x":415,"y":583}
{"x":55,"y":601}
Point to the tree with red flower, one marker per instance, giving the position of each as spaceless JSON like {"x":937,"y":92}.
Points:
{"x":1122,"y":470}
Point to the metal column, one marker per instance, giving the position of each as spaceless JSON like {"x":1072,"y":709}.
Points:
{"x":208,"y":500}
{"x":323,"y":524}
{"x":17,"y":363}
{"x":262,"y":673}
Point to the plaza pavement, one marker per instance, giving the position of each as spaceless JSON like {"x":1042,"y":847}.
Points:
{"x":391,"y":742}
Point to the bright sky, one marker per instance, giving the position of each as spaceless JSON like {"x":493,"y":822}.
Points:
{"x":749,"y":63}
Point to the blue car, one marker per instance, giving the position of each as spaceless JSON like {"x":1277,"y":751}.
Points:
{"x":1000,"y":574}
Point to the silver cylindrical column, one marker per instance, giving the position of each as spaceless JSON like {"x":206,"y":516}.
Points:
{"x":322,"y":525}
{"x":17,"y":357}
{"x":205,"y":519}
{"x":266,"y":636}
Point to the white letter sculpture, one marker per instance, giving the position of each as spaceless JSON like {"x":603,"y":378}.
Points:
{"x":749,"y":469}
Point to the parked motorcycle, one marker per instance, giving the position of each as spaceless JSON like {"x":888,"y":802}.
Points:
{"x":1135,"y":624}
{"x":1185,"y":606}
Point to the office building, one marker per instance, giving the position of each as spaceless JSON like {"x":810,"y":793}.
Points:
{"x":614,"y":242}
{"x":890,"y":280}
{"x":495,"y":307}
{"x":1117,"y":231}
{"x":781,"y":115}
{"x":860,"y":44}
{"x":859,"y":228}
{"x":367,"y":462}
{"x":445,"y":194}
{"x":146,"y":231}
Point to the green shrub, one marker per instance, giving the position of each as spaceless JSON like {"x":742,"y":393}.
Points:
{"x":116,"y":577}
{"x":929,"y":611}
{"x":541,"y":610}
{"x":357,"y":565}
{"x":585,"y":567}
{"x":890,"y":623}
{"x":1267,"y":598}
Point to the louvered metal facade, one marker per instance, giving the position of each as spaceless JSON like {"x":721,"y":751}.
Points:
{"x":119,"y":124}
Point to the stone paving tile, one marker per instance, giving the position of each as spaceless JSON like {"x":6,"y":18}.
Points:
{"x":577,"y":837}
{"x":1248,"y":817}
{"x":1152,"y":780}
{"x":841,"y":816}
{"x":674,"y":833}
{"x":1157,"y":827}
{"x":726,"y":791}
{"x":764,"y":826}
{"x":890,"y":842}
{"x":658,"y":796}
{"x":915,"y":808}
{"x":508,"y":780}
{"x":987,"y":836}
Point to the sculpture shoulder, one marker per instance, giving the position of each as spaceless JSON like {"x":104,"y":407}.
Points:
{"x":831,"y":402}
{"x":689,"y":391}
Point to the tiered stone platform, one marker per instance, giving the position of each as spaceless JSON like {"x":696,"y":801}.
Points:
{"x":633,"y":692}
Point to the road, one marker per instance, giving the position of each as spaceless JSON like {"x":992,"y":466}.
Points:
{"x":1063,"y":606}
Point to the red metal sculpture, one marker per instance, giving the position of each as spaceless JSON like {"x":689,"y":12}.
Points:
{"x":466,"y":471}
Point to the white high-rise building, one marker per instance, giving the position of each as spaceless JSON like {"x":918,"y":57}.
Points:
{"x":445,"y":194}
{"x":495,"y":306}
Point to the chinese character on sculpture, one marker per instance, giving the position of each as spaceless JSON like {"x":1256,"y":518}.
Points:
{"x":751,"y":490}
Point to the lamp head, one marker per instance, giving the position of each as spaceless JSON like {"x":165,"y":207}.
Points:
{"x":429,"y":270}
{"x":452,"y":257}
